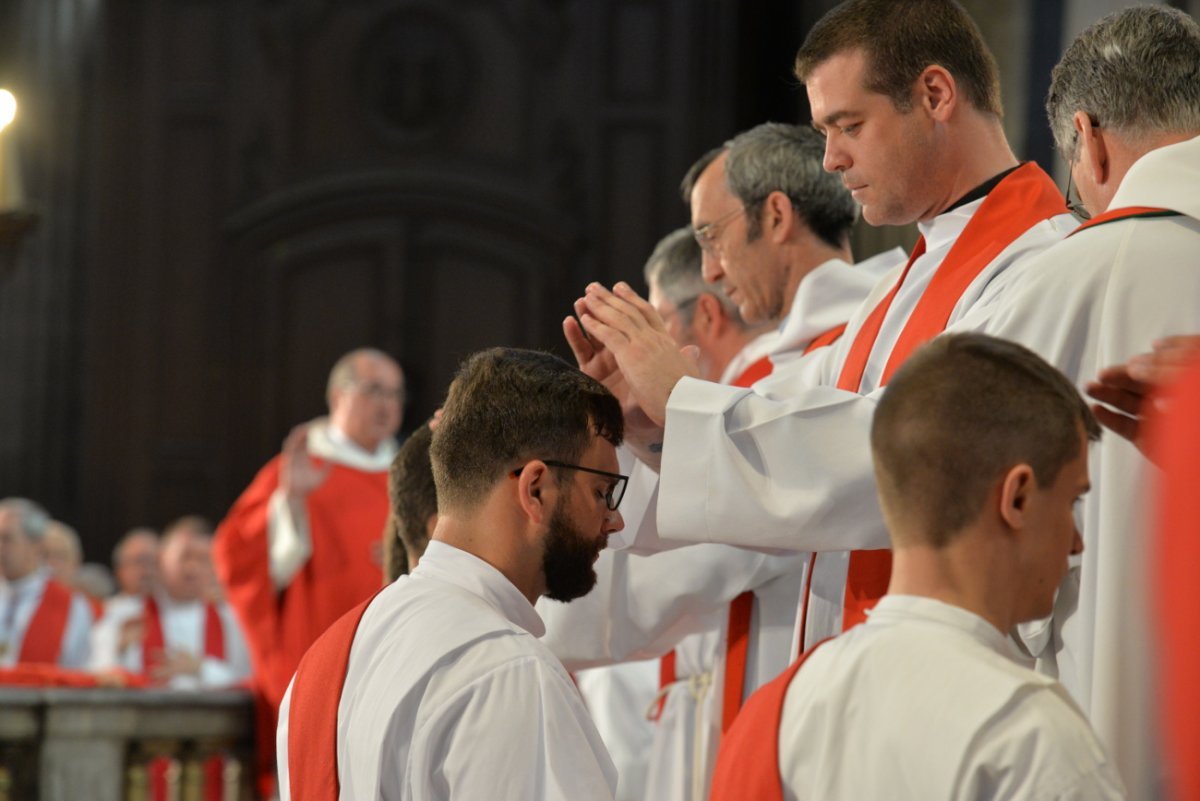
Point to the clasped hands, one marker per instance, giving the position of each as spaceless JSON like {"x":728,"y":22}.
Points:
{"x":622,"y":342}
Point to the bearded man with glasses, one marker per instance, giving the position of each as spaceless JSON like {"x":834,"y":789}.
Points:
{"x":447,"y":691}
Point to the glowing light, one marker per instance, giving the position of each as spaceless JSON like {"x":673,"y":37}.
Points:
{"x":8,"y":108}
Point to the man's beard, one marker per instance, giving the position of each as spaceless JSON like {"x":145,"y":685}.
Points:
{"x":568,"y":558}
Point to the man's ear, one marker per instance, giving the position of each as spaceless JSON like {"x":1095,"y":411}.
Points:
{"x":1093,"y":150}
{"x":1015,"y":490}
{"x":708,"y":317}
{"x":778,"y":217}
{"x":535,"y":488}
{"x":936,"y":91}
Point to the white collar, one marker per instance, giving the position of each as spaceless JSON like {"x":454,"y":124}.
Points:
{"x":908,"y":607}
{"x":327,"y":442}
{"x":452,"y":565}
{"x":944,"y":229}
{"x":1166,"y":176}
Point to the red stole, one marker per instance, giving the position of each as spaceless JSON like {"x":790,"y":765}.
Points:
{"x":1024,"y":198}
{"x":1175,"y":437}
{"x":153,"y":644}
{"x":312,"y":717}
{"x":44,"y":635}
{"x":748,"y":759}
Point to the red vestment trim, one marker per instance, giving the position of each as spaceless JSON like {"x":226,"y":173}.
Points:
{"x":748,"y":759}
{"x":666,"y":677}
{"x":737,"y":648}
{"x":1024,"y":198}
{"x":1125,"y":213}
{"x":44,"y":634}
{"x":154,"y":645}
{"x":312,"y":718}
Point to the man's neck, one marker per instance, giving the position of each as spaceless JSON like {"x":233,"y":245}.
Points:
{"x":19,"y":576}
{"x":806,"y":257}
{"x":955,"y":575}
{"x":492,"y":539}
{"x":715,"y":357}
{"x":977,"y":153}
{"x":339,"y":436}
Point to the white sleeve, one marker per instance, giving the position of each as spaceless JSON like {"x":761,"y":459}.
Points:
{"x":77,"y":646}
{"x":520,"y":731}
{"x":791,"y":470}
{"x":289,"y":544}
{"x":643,"y":606}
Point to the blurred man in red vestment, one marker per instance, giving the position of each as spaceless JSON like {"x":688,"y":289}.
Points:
{"x":301,"y":545}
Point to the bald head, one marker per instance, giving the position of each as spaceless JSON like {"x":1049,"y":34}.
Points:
{"x":366,"y":396}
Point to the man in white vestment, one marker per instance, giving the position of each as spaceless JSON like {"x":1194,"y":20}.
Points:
{"x":42,"y":621}
{"x":981,"y":456}
{"x":907,"y":98}
{"x":1124,"y":105}
{"x":447,"y":692}
{"x":175,"y":636}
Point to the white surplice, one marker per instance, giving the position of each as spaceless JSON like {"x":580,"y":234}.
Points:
{"x":19,"y":600}
{"x":183,"y":627}
{"x":617,"y":696}
{"x":928,"y":701}
{"x":1093,"y":301}
{"x":645,"y":606}
{"x":449,"y":694}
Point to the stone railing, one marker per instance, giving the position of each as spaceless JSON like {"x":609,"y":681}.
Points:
{"x":125,"y":745}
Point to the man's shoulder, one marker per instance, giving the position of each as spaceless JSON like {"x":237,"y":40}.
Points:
{"x":1040,"y":740}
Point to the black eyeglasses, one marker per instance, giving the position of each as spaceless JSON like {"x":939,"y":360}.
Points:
{"x":615,"y":493}
{"x":1075,"y":205}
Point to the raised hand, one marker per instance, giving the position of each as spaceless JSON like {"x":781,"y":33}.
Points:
{"x":299,"y":473}
{"x":636,"y":338}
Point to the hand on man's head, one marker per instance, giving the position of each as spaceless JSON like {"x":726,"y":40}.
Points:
{"x":634,"y":334}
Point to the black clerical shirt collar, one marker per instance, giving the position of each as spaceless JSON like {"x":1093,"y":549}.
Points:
{"x":983,"y":189}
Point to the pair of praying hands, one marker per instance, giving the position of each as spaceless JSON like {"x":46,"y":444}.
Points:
{"x":622,"y":342}
{"x":1130,"y":388}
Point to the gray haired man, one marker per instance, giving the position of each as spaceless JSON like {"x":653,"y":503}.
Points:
{"x":1124,"y":105}
{"x":41,"y":620}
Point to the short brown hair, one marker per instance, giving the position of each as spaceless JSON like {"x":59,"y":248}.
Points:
{"x":509,"y":405}
{"x":900,"y":39}
{"x":414,"y":500}
{"x":963,"y":410}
